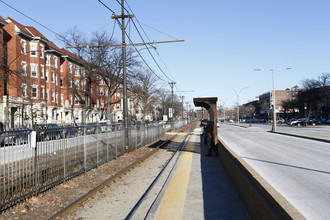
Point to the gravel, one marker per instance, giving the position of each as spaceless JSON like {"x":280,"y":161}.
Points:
{"x":117,"y":194}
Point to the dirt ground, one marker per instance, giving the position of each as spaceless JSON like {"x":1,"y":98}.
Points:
{"x":52,"y":201}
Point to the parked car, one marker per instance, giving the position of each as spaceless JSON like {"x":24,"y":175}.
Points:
{"x":297,"y":122}
{"x":280,"y":121}
{"x":92,"y":128}
{"x":46,"y":132}
{"x":70,"y":131}
{"x":14,"y":136}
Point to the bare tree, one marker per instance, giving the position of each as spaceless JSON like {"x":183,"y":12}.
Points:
{"x":102,"y":64}
{"x":164,"y":100}
{"x":315,"y":93}
{"x":142,"y":90}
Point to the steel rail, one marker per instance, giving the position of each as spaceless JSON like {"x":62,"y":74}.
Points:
{"x":138,"y":204}
{"x":83,"y":198}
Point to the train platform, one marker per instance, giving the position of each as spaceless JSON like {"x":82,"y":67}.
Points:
{"x":199,"y":188}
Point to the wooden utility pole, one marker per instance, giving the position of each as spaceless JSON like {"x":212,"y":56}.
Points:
{"x":172,"y":85}
{"x":124,"y":45}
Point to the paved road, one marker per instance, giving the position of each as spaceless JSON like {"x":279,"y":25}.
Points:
{"x":319,"y":131}
{"x":298,"y":168}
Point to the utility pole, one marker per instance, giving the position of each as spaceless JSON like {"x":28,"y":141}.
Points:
{"x":182,"y":97}
{"x":123,"y":28}
{"x":124,"y":45}
{"x":172,"y":85}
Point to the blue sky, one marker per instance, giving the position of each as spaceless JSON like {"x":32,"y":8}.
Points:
{"x":224,"y":40}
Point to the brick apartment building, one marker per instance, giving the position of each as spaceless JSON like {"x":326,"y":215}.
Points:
{"x":41,"y":83}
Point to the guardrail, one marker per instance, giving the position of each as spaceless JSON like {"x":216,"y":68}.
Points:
{"x":58,"y":154}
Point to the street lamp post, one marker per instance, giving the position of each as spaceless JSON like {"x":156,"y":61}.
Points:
{"x":274,"y":100}
{"x":237,"y":94}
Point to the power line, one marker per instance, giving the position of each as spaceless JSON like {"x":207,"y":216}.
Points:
{"x":150,"y":52}
{"x":149,"y":38}
{"x":32,"y":19}
{"x":106,"y":6}
{"x":145,"y":60}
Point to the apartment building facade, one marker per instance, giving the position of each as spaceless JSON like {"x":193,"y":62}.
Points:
{"x":47,"y":84}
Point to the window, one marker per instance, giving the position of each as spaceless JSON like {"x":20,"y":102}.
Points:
{"x":56,"y":97}
{"x":70,"y":83}
{"x":61,"y":82}
{"x":76,"y":83}
{"x":47,"y":73}
{"x":62,"y":99}
{"x":34,"y":91}
{"x":82,"y":85}
{"x":41,"y":51}
{"x":56,"y":79}
{"x":48,"y":59}
{"x":47,"y":95}
{"x":24,"y":93}
{"x":24,"y":68}
{"x":88,"y":101}
{"x":33,"y":49}
{"x":61,"y":67}
{"x":70,"y":67}
{"x":82,"y":72}
{"x":52,"y":77}
{"x":55,"y":62}
{"x":102,"y":104}
{"x":76,"y":100}
{"x":23,"y":46}
{"x":42,"y":92}
{"x":53,"y":96}
{"x":70,"y":99}
{"x":42,"y":71}
{"x":34,"y":71}
{"x":76,"y":70}
{"x":101,"y":91}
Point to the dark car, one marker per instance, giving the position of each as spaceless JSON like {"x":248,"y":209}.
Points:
{"x":14,"y":136}
{"x":92,"y":128}
{"x":46,"y":132}
{"x":70,"y":131}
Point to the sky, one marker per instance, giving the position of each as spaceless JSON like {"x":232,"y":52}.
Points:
{"x":224,"y":41}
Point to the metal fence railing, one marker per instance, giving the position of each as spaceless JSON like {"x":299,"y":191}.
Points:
{"x":59,"y":153}
{"x":29,"y":167}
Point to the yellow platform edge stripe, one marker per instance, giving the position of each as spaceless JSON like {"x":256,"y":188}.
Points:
{"x":173,"y":203}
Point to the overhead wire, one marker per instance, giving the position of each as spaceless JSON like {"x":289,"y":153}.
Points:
{"x":149,"y":38}
{"x":32,"y":19}
{"x":145,"y":60}
{"x":106,"y":6}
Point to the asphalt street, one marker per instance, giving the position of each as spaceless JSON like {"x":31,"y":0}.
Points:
{"x":297,"y":168}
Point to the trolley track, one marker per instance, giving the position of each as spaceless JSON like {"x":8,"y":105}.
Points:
{"x":70,"y":208}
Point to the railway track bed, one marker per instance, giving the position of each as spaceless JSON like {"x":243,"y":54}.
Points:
{"x":49,"y":203}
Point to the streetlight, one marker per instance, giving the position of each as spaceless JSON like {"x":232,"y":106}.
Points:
{"x":237,"y":94}
{"x":274,"y":103}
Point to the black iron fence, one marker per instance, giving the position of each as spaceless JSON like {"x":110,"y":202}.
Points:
{"x":34,"y":160}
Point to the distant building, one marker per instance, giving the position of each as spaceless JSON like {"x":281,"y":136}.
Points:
{"x":46,"y":84}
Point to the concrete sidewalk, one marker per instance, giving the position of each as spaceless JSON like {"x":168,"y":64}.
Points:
{"x":200,"y":188}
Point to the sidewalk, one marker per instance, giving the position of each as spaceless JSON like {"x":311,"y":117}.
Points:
{"x":200,"y":188}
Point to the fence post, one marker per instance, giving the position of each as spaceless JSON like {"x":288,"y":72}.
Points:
{"x":108,"y":121}
{"x":33,"y":142}
{"x":97,"y":143}
{"x":64,"y":146}
{"x":85,"y":156}
{"x":116,"y":147}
